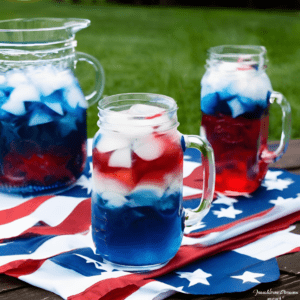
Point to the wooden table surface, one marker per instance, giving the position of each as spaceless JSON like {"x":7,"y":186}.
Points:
{"x":288,"y":283}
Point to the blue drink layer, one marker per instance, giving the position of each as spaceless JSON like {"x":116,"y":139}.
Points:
{"x":142,"y":231}
{"x":43,"y":130}
{"x":242,"y":93}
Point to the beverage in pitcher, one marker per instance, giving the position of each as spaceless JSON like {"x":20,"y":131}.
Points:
{"x":43,"y":129}
{"x":236,"y":94}
{"x":42,"y":107}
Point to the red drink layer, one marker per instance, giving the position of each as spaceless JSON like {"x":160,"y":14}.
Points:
{"x":238,"y":145}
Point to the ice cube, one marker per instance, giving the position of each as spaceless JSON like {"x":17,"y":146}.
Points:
{"x":16,"y":78}
{"x":67,"y":124}
{"x":39,"y":117}
{"x":258,"y":89}
{"x":48,"y":80}
{"x":102,"y":183}
{"x":254,"y":87}
{"x":153,"y":116}
{"x":2,"y":79}
{"x":74,"y":97}
{"x":236,"y":107}
{"x":21,"y":93}
{"x":110,"y":142}
{"x":120,"y":158}
{"x":209,"y":103}
{"x":212,"y":82}
{"x":146,"y":195}
{"x":66,"y":78}
{"x":114,"y":200}
{"x":55,"y":107}
{"x":127,"y":125}
{"x":145,"y":110}
{"x":44,"y":79}
{"x":149,"y":148}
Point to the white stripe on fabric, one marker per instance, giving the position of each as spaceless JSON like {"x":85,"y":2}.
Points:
{"x":52,"y":212}
{"x":189,"y":167}
{"x":154,"y":290}
{"x":8,"y":201}
{"x":273,"y":245}
{"x":188,"y":191}
{"x":65,"y":282}
{"x":275,"y":213}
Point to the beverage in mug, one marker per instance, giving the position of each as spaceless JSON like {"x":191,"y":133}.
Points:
{"x":236,"y":95}
{"x":137,"y":213}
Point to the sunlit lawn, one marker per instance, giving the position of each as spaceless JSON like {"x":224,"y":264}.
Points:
{"x":163,"y":50}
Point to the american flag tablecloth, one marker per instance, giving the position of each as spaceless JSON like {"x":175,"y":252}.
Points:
{"x":46,"y":242}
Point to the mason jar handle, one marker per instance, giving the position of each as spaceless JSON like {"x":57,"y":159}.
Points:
{"x":99,"y":80}
{"x":272,"y":156}
{"x":192,"y":216}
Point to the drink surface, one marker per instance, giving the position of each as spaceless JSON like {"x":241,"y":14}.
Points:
{"x":43,"y":130}
{"x":235,"y":104}
{"x":137,"y":214}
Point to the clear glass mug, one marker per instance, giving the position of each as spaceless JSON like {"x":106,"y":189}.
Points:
{"x":236,"y":95}
{"x":137,"y":213}
{"x":42,"y":107}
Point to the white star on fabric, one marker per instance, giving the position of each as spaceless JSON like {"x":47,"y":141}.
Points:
{"x":272,"y":175}
{"x":189,"y":229}
{"x":195,"y":277}
{"x":249,"y":277}
{"x":98,"y":265}
{"x":281,"y":201}
{"x":222,"y":199}
{"x":229,"y":212}
{"x":85,"y":183}
{"x":279,"y":184}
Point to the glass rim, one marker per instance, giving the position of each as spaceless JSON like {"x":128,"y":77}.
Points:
{"x":62,"y":23}
{"x":240,"y":50}
{"x":104,"y":103}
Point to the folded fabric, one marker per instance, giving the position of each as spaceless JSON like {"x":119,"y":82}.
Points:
{"x":46,"y":241}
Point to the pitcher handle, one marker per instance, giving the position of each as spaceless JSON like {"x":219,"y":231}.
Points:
{"x":209,"y":175}
{"x":94,"y":96}
{"x":272,"y":156}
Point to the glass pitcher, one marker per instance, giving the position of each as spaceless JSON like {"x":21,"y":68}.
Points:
{"x":236,"y":95}
{"x":137,"y":213}
{"x":42,"y":107}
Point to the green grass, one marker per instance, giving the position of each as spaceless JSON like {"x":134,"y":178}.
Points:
{"x":163,"y":50}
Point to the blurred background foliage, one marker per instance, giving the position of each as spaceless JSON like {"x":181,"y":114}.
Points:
{"x":161,"y":46}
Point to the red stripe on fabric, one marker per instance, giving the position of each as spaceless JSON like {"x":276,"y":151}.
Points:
{"x":185,"y":256}
{"x":195,"y":179}
{"x":21,"y":267}
{"x":22,"y":210}
{"x":25,"y":267}
{"x":113,"y":289}
{"x":78,"y":221}
{"x":189,"y":254}
{"x":229,"y":225}
{"x":297,"y":249}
